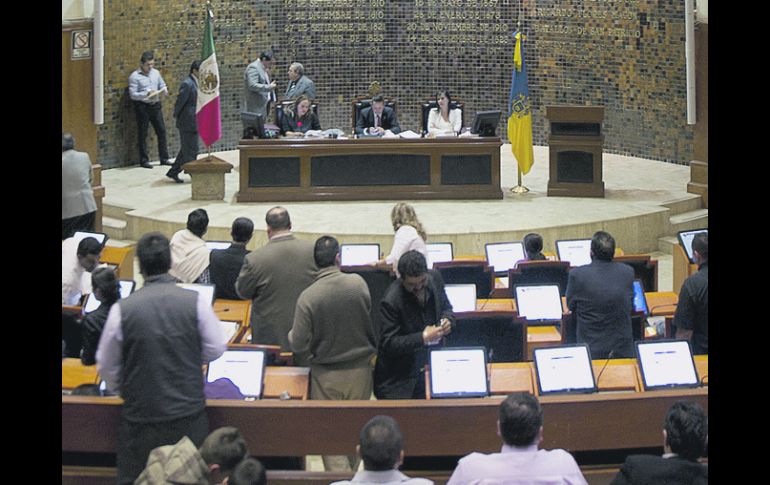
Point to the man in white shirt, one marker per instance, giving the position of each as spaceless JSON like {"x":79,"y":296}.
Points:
{"x":77,"y":257}
{"x":145,"y":86}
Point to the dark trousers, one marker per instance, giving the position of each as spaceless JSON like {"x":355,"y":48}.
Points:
{"x":137,"y":440}
{"x":72,"y":225}
{"x":188,"y":150}
{"x":146,"y":114}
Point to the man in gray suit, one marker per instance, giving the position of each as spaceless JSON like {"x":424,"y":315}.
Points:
{"x":259,"y":90}
{"x":78,"y":207}
{"x":299,"y":84}
{"x":186,"y":123}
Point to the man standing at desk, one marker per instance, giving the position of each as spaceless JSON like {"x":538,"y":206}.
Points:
{"x":258,"y":89}
{"x":692,"y":311}
{"x":145,"y":86}
{"x":377,"y":118}
{"x":415,"y":314}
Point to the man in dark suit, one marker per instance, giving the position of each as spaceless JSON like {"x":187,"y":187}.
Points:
{"x":377,"y":118}
{"x":692,"y":313}
{"x":415,"y":314}
{"x":685,"y":438}
{"x":226,"y":264}
{"x":184,"y":112}
{"x":600,"y":295}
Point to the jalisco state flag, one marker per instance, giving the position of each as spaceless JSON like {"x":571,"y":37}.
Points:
{"x":519,"y":111}
{"x":207,"y":109}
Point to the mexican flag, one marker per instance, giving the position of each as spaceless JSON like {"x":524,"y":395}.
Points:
{"x":207,"y":108}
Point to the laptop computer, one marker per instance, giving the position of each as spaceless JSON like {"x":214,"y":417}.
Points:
{"x":666,"y":364}
{"x":576,"y":251}
{"x":539,"y":304}
{"x":462,"y":297}
{"x":99,"y":236}
{"x":244,"y":367}
{"x":359,"y":254}
{"x":458,"y":372}
{"x":685,"y":239}
{"x":91,"y":303}
{"x":218,"y":244}
{"x":564,"y":369}
{"x":504,"y":256}
{"x":206,"y":290}
{"x":230,"y":328}
{"x":439,"y":253}
{"x":640,"y":301}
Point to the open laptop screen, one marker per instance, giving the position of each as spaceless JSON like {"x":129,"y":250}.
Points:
{"x":244,"y":367}
{"x":359,"y":254}
{"x":685,"y":239}
{"x":504,"y":256}
{"x":458,"y":372}
{"x":99,"y":236}
{"x":218,"y":244}
{"x":640,"y":301}
{"x":439,"y":253}
{"x":462,"y":297}
{"x":206,"y":290}
{"x":538,"y":302}
{"x":576,"y":251}
{"x":564,"y":369}
{"x":230,"y":328}
{"x":666,"y":364}
{"x":126,"y":288}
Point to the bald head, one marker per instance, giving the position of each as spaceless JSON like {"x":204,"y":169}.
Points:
{"x":278,"y":221}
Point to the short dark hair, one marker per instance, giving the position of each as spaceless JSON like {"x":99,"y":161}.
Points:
{"x":198,"y":222}
{"x":248,"y":472}
{"x":325,"y":251}
{"x":265,"y":56}
{"x":520,"y":419}
{"x":412,"y":263}
{"x":147,"y":56}
{"x":67,"y":142}
{"x":687,"y":429}
{"x":378,"y":98}
{"x":278,"y":218}
{"x":533,"y":244}
{"x":88,"y":245}
{"x":700,"y":243}
{"x":104,"y":279}
{"x":225,"y":447}
{"x":195,"y":66}
{"x":242,"y":229}
{"x":153,"y":253}
{"x":603,"y":246}
{"x":381,"y":443}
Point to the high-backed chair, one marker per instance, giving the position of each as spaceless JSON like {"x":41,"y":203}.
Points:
{"x":287,"y":104}
{"x":503,"y":335}
{"x":645,"y":269}
{"x":539,"y":272}
{"x":378,"y":280}
{"x":429,"y":104}
{"x":362,"y":102}
{"x":468,"y":272}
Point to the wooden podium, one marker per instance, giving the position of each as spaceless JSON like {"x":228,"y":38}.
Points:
{"x":575,"y":151}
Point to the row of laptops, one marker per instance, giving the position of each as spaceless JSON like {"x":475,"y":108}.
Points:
{"x":462,"y":372}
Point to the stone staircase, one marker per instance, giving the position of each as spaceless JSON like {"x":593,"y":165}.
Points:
{"x":114,"y":222}
{"x":686,"y":213}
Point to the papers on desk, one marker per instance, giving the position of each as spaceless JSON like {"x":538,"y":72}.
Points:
{"x":467,"y":134}
{"x":408,"y":134}
{"x":330,"y":133}
{"x":230,"y":328}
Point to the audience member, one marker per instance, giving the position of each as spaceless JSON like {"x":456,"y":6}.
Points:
{"x":380,"y":447}
{"x":273,"y":276}
{"x":333,"y":334}
{"x":600,"y":295}
{"x":186,"y":122}
{"x":300,"y":119}
{"x":443,"y":120}
{"x":415,"y":313}
{"x":685,"y":438}
{"x":410,"y":235}
{"x":106,"y":289}
{"x":248,"y":472}
{"x":520,"y":425}
{"x":77,"y":257}
{"x":225,"y":264}
{"x":258,"y":89}
{"x":78,"y":206}
{"x":299,"y":84}
{"x":377,"y":118}
{"x":145,"y":86}
{"x":151,"y":352}
{"x":189,"y":255}
{"x":216,"y":460}
{"x":692,"y":313}
{"x":533,"y":247}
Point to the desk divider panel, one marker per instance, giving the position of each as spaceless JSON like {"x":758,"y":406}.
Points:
{"x":466,"y":169}
{"x":370,"y":169}
{"x":274,"y":172}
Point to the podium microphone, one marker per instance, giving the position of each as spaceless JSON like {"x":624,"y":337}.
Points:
{"x":609,"y":356}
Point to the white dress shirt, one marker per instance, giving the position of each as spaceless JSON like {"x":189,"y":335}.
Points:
{"x":438,"y":126}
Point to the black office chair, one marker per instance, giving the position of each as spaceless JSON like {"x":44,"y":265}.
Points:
{"x":504,"y":336}
{"x":468,"y":272}
{"x":428,"y":105}
{"x":645,"y":269}
{"x":362,"y":102}
{"x":285,"y":105}
{"x":377,"y":280}
{"x":539,"y":273}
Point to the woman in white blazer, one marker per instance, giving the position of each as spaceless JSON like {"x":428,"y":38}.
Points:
{"x":442,"y":120}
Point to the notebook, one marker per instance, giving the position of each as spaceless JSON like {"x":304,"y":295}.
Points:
{"x":685,"y":239}
{"x":666,"y":364}
{"x":504,"y":256}
{"x":218,"y":244}
{"x":439,"y":253}
{"x":458,"y":372}
{"x":576,"y":251}
{"x":359,"y":254}
{"x":539,"y":303}
{"x":564,"y":369}
{"x":244,"y":367}
{"x":91,"y":303}
{"x":206,"y":290}
{"x":462,"y":297}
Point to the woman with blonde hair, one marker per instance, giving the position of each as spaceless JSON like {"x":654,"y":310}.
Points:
{"x":410,"y":235}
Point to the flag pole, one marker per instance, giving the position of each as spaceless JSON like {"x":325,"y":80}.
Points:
{"x":519,"y":189}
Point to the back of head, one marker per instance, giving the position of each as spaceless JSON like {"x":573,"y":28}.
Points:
{"x":196,"y":65}
{"x":278,"y":219}
{"x":412,"y":263}
{"x":380,"y":444}
{"x":242,"y":230}
{"x":67,"y":142}
{"x":225,"y":447}
{"x":533,"y":244}
{"x":88,"y":245}
{"x":104,"y":280}
{"x":603,"y":246}
{"x":687,"y":430}
{"x":700,"y":243}
{"x":325,"y":251}
{"x":198,"y":222}
{"x":404,"y":214}
{"x":520,"y":419}
{"x":248,"y":472}
{"x":153,"y":253}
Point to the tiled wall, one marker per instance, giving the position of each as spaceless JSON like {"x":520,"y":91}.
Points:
{"x":625,"y":55}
